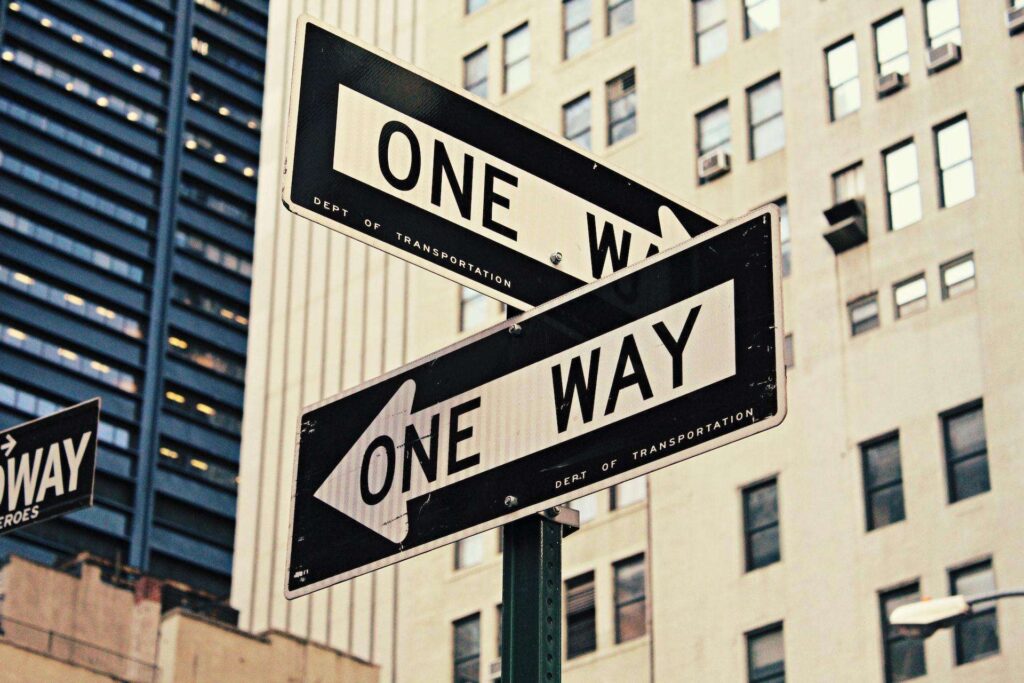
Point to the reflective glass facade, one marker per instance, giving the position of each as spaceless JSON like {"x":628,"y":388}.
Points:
{"x":129,"y":147}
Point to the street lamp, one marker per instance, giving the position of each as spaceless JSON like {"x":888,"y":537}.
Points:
{"x":921,"y":619}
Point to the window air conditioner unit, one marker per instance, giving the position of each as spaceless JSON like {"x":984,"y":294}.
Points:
{"x":1015,"y":20}
{"x":942,"y":56}
{"x":494,"y":670}
{"x":713,"y":164}
{"x":887,"y":84}
{"x":848,"y":225}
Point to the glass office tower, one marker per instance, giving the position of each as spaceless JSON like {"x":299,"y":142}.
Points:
{"x":129,"y":142}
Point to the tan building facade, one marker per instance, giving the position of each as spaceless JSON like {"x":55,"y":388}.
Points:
{"x":897,"y":472}
{"x":88,"y":622}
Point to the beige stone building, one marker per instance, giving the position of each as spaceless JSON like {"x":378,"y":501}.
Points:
{"x":90,"y":622}
{"x":891,"y":131}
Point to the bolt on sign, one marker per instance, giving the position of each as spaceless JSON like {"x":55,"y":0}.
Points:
{"x":384,"y":153}
{"x":656,"y":363}
{"x":48,"y":466}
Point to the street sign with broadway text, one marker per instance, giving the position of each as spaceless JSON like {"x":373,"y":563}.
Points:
{"x":47,"y":466}
{"x":649,"y":366}
{"x":383,"y":153}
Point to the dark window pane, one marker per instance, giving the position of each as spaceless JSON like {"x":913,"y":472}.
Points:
{"x":766,"y":656}
{"x":764,"y":547}
{"x":630,"y":599}
{"x":977,"y":637}
{"x":882,"y":463}
{"x":971,"y":477}
{"x":762,"y":506}
{"x":581,"y":634}
{"x":886,"y":507}
{"x":966,"y":433}
{"x":631,"y":622}
{"x":761,"y":524}
{"x":906,"y":657}
{"x":966,"y":453}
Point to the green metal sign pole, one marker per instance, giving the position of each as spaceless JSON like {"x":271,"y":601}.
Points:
{"x":531,"y":592}
{"x":531,"y":619}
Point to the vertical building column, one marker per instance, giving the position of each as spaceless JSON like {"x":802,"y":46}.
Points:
{"x":156,"y":333}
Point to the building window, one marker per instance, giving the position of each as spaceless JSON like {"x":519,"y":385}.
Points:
{"x":576,"y":121}
{"x":787,"y":351}
{"x":474,"y":72}
{"x":902,"y":185}
{"x":65,"y":357}
{"x":193,"y":298}
{"x":766,"y":661}
{"x":37,"y":406}
{"x":466,"y":649}
{"x":883,"y":481}
{"x":586,"y":506}
{"x":767,"y":131}
{"x":474,"y":309}
{"x":205,"y":249}
{"x":843,"y":81}
{"x":200,"y":465}
{"x":711,"y":33}
{"x":761,"y":524}
{"x":68,"y":190}
{"x":630,"y":599}
{"x":474,"y":5}
{"x":977,"y":636}
{"x":207,"y":149}
{"x":621,"y":107}
{"x":576,"y":22}
{"x":942,"y":18}
{"x":60,"y":297}
{"x":848,"y":183}
{"x":469,"y":552}
{"x":963,"y":430}
{"x":213,"y":102}
{"x":904,"y":657}
{"x":87,"y":41}
{"x":761,"y":16}
{"x":956,"y":167}
{"x":957,"y":276}
{"x":628,"y":493}
{"x":580,"y":616}
{"x":911,"y":296}
{"x":787,"y":247}
{"x":863,"y":314}
{"x":211,"y":201}
{"x":714,"y":130}
{"x":516,"y":58}
{"x":180,"y":401}
{"x":620,"y":15}
{"x":206,"y":356}
{"x":83,"y":89}
{"x":84,"y":143}
{"x":892,"y":53}
{"x":71,"y":247}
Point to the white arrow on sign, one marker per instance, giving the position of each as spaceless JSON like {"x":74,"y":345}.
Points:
{"x":8,"y":446}
{"x":403,"y":454}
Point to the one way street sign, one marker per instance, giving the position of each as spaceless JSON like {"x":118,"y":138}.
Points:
{"x":383,"y":153}
{"x":649,"y":366}
{"x":48,"y":465}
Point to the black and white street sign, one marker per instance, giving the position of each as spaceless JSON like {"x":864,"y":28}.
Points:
{"x":654,"y":364}
{"x":47,"y":466}
{"x":386,"y":154}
